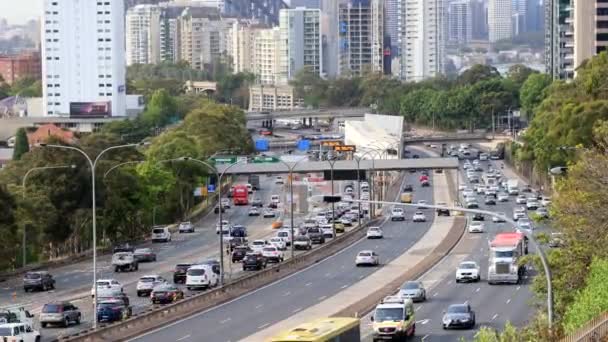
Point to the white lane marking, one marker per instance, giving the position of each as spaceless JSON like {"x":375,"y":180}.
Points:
{"x":494,"y":317}
{"x":263,"y":326}
{"x":424,"y":337}
{"x":466,"y":302}
{"x":418,"y":308}
{"x":183,"y":338}
{"x":322,"y":298}
{"x":344,"y":286}
{"x":435,"y":294}
{"x":508,"y":300}
{"x":423,"y":322}
{"x":286,"y":294}
{"x":307,"y":284}
{"x":518,"y":287}
{"x":477,"y":290}
{"x":226,"y":320}
{"x":296,"y":310}
{"x":259,"y":306}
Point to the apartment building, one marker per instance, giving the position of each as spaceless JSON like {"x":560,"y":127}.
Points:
{"x":143,"y":34}
{"x":266,"y":56}
{"x":300,"y":30}
{"x":559,"y":39}
{"x":590,"y":29}
{"x":460,"y":22}
{"x":500,"y":13}
{"x":23,"y":65}
{"x":83,"y":58}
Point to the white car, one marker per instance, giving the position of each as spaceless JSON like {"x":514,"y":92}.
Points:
{"x":258,"y":245}
{"x":419,"y":217}
{"x":422,"y":204}
{"x":367,"y":258}
{"x":106,"y":285}
{"x":502,"y":217}
{"x":521,"y":199}
{"x":374,"y":233}
{"x":225,"y":203}
{"x":476,"y":227}
{"x":525,"y":223}
{"x":545,"y":201}
{"x":345,"y":220}
{"x":279,"y":180}
{"x":253,"y":211}
{"x":468,"y":271}
{"x":185,"y":227}
{"x":503,"y":197}
{"x":201,"y":276}
{"x":481,"y":189}
{"x":285,"y":235}
{"x":483,"y":156}
{"x":269,"y":213}
{"x":278,"y":243}
{"x":272,"y":254}
{"x":532,"y":204}
{"x":468,"y":193}
{"x":519,"y":213}
{"x":161,"y":234}
{"x":146,"y":284}
{"x":397,"y":214}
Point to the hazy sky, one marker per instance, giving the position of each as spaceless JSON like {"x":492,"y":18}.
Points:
{"x":20,"y":11}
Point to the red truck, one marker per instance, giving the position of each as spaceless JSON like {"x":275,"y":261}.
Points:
{"x":424,"y":180}
{"x":240,"y":194}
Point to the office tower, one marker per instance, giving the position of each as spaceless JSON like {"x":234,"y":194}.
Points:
{"x":242,"y":44}
{"x":393,"y":23}
{"x":301,"y":38}
{"x":590,"y":29}
{"x":460,"y":22}
{"x":83,"y":58}
{"x":499,"y":20}
{"x":330,"y":37}
{"x":559,"y":39}
{"x":361,"y":36}
{"x":534,"y":16}
{"x":304,"y":3}
{"x":266,"y":11}
{"x":267,"y":56}
{"x":479,"y":19}
{"x":423,"y":48}
{"x":519,"y":16}
{"x":143,"y":34}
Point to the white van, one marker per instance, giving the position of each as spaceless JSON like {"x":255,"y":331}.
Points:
{"x":161,"y":234}
{"x":201,"y":277}
{"x":18,"y":332}
{"x":285,"y":235}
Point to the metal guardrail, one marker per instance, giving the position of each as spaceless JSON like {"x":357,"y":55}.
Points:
{"x":595,"y":330}
{"x":448,"y":137}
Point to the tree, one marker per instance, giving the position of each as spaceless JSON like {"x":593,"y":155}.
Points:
{"x":27,"y":87}
{"x":519,"y":73}
{"x":533,"y":92}
{"x":22,"y":144}
{"x":309,"y":86}
{"x":476,"y":73}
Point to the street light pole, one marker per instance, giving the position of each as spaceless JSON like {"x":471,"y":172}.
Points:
{"x":23,"y":184}
{"x":92,"y":165}
{"x":333,"y":209}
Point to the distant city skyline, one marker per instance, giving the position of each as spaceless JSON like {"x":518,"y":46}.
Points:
{"x":26,"y":10}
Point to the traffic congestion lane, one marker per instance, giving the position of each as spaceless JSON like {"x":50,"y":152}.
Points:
{"x":253,"y":312}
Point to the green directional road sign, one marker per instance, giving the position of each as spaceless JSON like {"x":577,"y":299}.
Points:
{"x":265,"y":160}
{"x":223,"y":160}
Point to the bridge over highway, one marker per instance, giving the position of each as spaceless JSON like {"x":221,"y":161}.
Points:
{"x":310,"y":113}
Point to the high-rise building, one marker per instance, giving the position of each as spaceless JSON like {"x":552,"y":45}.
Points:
{"x":83,"y":58}
{"x":534,"y":16}
{"x":330,"y":37}
{"x":423,"y":48}
{"x":304,"y":3}
{"x":361,"y":36}
{"x":24,"y":65}
{"x":479,"y":15}
{"x":460,"y":22}
{"x":242,"y":44}
{"x":266,"y":11}
{"x":393,"y":24}
{"x":301,"y":38}
{"x":520,"y":16}
{"x":143,"y":34}
{"x":499,"y":20}
{"x":267,"y":56}
{"x":590,"y":29}
{"x":559,"y":39}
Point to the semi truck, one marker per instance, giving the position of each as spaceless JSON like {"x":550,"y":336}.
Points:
{"x":254,"y":180}
{"x":505,"y":251}
{"x":240,"y":194}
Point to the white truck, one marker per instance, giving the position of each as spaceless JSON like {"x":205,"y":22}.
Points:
{"x":17,"y":325}
{"x":513,"y":187}
{"x":505,"y":251}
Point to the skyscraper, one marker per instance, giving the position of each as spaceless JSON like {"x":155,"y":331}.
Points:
{"x":83,"y":58}
{"x":301,"y":38}
{"x":423,"y":46}
{"x":394,"y":23}
{"x":143,"y":34}
{"x":590,"y":29}
{"x":479,"y":19}
{"x":460,"y":22}
{"x":559,"y":39}
{"x":499,"y":20}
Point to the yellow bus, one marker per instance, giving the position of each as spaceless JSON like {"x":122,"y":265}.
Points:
{"x":332,"y":329}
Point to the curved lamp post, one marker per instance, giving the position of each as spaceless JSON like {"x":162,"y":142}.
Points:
{"x":23,"y":184}
{"x":92,"y":165}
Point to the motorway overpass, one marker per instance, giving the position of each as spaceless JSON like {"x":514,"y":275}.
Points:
{"x":309,"y":113}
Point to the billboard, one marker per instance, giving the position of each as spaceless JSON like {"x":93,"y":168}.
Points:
{"x":89,"y":110}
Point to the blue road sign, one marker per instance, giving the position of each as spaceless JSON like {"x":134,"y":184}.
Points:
{"x":211,"y":188}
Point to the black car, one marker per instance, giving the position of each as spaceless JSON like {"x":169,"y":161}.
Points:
{"x":316,"y":235}
{"x":443,"y":211}
{"x":408,"y":188}
{"x":478,"y":217}
{"x":459,"y":316}
{"x":415,"y":156}
{"x":236,"y":242}
{"x":179,"y":274}
{"x":217,"y":209}
{"x":40,"y":280}
{"x":254,"y":261}
{"x":239,"y":252}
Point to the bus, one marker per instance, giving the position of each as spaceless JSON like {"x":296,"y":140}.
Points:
{"x":331,"y":329}
{"x":240,"y":194}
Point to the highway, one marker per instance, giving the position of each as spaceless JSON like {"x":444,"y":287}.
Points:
{"x":257,"y":310}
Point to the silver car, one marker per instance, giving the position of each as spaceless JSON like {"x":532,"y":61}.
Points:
{"x":367,"y":258}
{"x":413,"y":290}
{"x":61,"y":313}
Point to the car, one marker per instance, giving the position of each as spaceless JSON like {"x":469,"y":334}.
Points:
{"x":468,"y":271}
{"x":254,"y":211}
{"x":239,"y":252}
{"x":146,"y":284}
{"x":302,"y":242}
{"x":468,"y":193}
{"x":503,"y":197}
{"x":532,"y":204}
{"x":413,"y":290}
{"x":419,"y":217}
{"x":489,"y":200}
{"x":393,"y":319}
{"x":521,"y":199}
{"x":161,"y":234}
{"x":22,"y":332}
{"x":225,"y":226}
{"x":269,"y":213}
{"x":179,"y":273}
{"x":408,"y":188}
{"x":285,"y":235}
{"x":217,"y":209}
{"x":254,"y":261}
{"x":519,"y":213}
{"x":501,"y":217}
{"x":525,"y":223}
{"x":316,"y":235}
{"x":397,"y":214}
{"x":480,"y":189}
{"x":458,"y":316}
{"x":415,"y":156}
{"x":476,"y":227}
{"x":478,"y":217}
{"x":185,"y":227}
{"x":346,"y":221}
{"x":112,"y":310}
{"x":225,"y":203}
{"x":272,"y":254}
{"x":106,"y":286}
{"x":374,"y":233}
{"x":471,"y":203}
{"x":279,"y":180}
{"x":328,"y":230}
{"x":483,"y":157}
{"x":278,"y":243}
{"x":257,"y":202}
{"x":542,"y":212}
{"x":422,"y":204}
{"x":367,"y":258}
{"x":258,"y":245}
{"x":144,"y":255}
{"x":60,"y":313}
{"x":165,"y":294}
{"x":201,"y":277}
{"x":545,"y":201}
{"x":125,"y":247}
{"x":442,"y":211}
{"x":124,"y":261}
{"x":39,"y":280}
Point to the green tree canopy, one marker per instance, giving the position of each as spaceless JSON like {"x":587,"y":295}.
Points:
{"x":22,"y":144}
{"x":533,"y":92}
